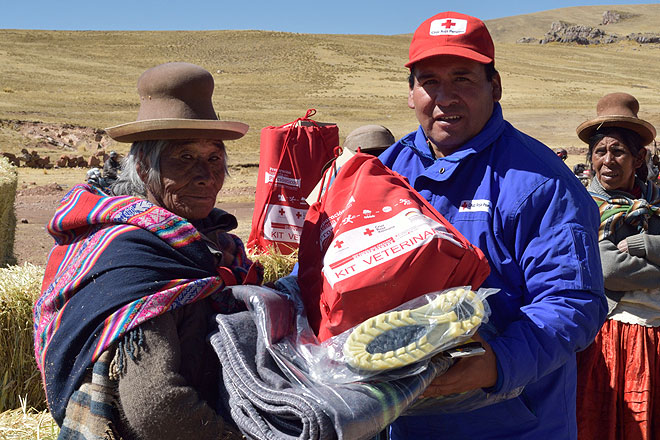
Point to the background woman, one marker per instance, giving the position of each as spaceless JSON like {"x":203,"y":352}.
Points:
{"x":134,"y":279}
{"x":619,"y":374}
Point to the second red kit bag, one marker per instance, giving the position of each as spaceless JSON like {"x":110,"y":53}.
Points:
{"x":372,"y":243}
{"x":291,"y":160}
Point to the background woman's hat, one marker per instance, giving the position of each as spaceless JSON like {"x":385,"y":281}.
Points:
{"x":372,"y":139}
{"x":617,"y":110}
{"x":175,"y":103}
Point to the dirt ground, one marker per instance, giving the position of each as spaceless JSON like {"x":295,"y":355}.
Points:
{"x":35,"y":205}
{"x":39,"y":193}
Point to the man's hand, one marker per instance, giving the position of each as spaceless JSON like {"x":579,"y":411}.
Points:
{"x":467,"y":374}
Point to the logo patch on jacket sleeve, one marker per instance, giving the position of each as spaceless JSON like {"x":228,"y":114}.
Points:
{"x":448,"y":26}
{"x":474,"y":206}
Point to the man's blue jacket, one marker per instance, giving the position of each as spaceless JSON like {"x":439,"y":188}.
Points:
{"x":511,"y":196}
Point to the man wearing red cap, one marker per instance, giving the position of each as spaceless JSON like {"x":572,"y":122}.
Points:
{"x":512,"y":197}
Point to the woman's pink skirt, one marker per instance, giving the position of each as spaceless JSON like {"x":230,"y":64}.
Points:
{"x":618,"y":384}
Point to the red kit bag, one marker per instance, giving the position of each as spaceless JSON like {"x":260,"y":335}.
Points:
{"x":290,"y":162}
{"x":372,"y":243}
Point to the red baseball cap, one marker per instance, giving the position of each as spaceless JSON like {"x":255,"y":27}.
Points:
{"x":452,"y":33}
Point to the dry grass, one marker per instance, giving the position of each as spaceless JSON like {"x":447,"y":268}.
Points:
{"x":270,"y":78}
{"x":19,"y":288}
{"x":26,"y":423}
{"x":276,"y":265}
{"x":637,"y":18}
{"x":8,"y":182}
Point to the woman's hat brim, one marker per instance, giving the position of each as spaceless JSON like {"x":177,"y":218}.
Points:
{"x":164,"y":129}
{"x":639,"y":126}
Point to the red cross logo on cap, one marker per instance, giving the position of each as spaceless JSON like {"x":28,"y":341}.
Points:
{"x":298,"y":214}
{"x":368,"y":232}
{"x":281,"y":211}
{"x":448,"y":24}
{"x":339,"y":244}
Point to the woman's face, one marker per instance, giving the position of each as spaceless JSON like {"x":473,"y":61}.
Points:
{"x":192,"y":173}
{"x":614,"y":164}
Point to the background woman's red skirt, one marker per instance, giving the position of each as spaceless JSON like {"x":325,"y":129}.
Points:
{"x":618,"y":385}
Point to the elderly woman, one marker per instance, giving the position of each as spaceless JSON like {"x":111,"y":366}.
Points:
{"x":619,"y":374}
{"x":134,"y":278}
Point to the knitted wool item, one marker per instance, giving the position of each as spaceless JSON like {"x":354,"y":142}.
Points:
{"x":616,"y":211}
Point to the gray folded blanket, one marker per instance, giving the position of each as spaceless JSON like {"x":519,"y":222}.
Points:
{"x":267,"y":404}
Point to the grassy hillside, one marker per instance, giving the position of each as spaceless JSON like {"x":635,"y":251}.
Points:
{"x":270,"y":78}
{"x":635,"y":18}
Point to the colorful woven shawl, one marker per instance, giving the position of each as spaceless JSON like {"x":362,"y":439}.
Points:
{"x":117,"y":262}
{"x":617,"y":211}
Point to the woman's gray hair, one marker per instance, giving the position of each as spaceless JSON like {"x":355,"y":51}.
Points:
{"x":147,"y":155}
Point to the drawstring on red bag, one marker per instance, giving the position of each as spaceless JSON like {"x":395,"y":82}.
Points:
{"x":330,"y":171}
{"x":371,"y":233}
{"x":291,"y":160}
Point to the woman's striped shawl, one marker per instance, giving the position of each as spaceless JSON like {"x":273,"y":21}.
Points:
{"x":117,"y":262}
{"x":617,"y":211}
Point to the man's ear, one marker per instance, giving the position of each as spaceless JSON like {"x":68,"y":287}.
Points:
{"x":411,"y":102}
{"x":497,"y":87}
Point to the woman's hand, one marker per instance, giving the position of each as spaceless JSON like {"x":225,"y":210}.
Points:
{"x":469,"y":373}
{"x":623,"y":245}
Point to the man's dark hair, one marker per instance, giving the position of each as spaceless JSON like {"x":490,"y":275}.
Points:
{"x":490,"y":73}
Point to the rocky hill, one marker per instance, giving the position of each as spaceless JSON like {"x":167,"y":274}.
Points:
{"x":563,"y":32}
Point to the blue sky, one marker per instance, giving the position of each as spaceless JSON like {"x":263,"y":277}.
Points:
{"x":383,"y":17}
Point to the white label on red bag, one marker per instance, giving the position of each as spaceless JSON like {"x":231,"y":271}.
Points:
{"x":284,"y":223}
{"x":283,"y":178}
{"x":448,"y":26}
{"x":371,"y":245}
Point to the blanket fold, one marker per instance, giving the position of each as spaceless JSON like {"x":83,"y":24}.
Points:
{"x":266,"y":403}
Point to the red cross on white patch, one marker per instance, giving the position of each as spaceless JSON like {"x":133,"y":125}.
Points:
{"x":448,"y":26}
{"x":368,"y":232}
{"x":339,"y":244}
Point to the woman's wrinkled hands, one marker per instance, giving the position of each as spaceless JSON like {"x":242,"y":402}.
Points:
{"x":623,"y":245}
{"x":469,"y":373}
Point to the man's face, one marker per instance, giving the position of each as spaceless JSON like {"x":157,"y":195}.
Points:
{"x":452,"y":99}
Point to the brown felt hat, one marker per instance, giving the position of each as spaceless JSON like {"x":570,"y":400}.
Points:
{"x":175,"y":103}
{"x":372,"y":139}
{"x":617,"y":110}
